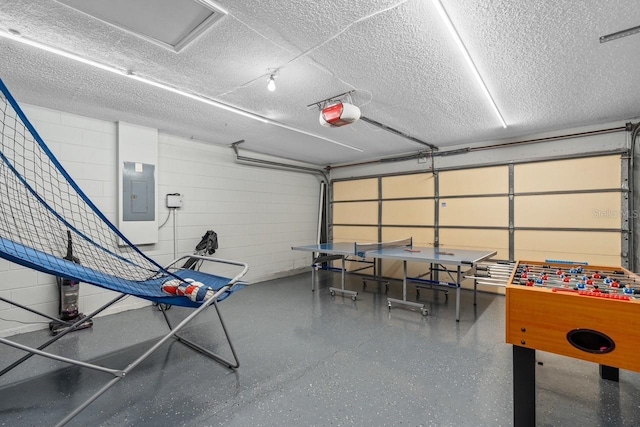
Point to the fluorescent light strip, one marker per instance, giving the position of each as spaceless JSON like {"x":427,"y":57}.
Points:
{"x":199,"y":98}
{"x":467,"y":57}
{"x":17,"y":37}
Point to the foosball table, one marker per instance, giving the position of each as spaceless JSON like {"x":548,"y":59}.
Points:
{"x":586,"y":312}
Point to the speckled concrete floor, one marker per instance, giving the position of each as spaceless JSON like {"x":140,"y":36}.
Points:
{"x":311,"y":359}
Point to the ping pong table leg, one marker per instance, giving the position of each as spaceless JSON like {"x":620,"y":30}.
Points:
{"x":458,"y":281}
{"x":475,"y":286}
{"x":404,"y":282}
{"x":342,"y":290}
{"x":404,"y":301}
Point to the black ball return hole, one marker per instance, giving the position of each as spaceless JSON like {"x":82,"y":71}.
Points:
{"x":590,"y":341}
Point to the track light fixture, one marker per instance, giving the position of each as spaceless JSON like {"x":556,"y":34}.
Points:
{"x":272,"y":83}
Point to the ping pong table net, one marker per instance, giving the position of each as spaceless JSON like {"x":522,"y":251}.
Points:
{"x":361,"y":249}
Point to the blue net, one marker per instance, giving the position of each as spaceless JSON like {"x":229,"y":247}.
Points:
{"x":49,"y":224}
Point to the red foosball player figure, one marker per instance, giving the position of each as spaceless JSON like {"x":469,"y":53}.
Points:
{"x":559,"y":272}
{"x":544,"y":277}
{"x":530,"y":282}
{"x":614,"y":284}
{"x":597,"y":275}
{"x":596,"y":289}
{"x":524,"y":275}
{"x":566,"y":279}
{"x":589,"y":281}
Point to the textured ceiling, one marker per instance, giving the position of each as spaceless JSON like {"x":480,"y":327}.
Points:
{"x":541,"y":60}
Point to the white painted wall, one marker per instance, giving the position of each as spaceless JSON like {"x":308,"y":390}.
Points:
{"x":258,"y":213}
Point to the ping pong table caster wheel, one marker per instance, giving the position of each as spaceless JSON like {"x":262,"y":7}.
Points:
{"x":389,"y":306}
{"x":353,"y":297}
{"x":424,"y":311}
{"x":332,"y":293}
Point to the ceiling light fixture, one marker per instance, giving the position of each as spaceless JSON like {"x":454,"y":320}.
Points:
{"x":467,"y":57}
{"x":16,"y":36}
{"x":272,"y":83}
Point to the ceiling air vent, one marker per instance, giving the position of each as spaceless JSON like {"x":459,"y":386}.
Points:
{"x":172,"y":24}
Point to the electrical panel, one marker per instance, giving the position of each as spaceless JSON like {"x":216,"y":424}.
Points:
{"x":138,"y":192}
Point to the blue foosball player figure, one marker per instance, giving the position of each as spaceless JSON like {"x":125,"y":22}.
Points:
{"x":628,"y":290}
{"x":582,"y":285}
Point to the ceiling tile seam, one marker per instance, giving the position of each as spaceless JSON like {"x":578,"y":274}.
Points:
{"x":259,"y":33}
{"x":357,"y":21}
{"x":262,"y":76}
{"x":16,"y":36}
{"x":311,"y":49}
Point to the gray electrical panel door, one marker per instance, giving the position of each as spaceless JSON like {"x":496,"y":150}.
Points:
{"x":138,"y":193}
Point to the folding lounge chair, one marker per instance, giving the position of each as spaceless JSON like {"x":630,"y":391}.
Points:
{"x":41,"y":206}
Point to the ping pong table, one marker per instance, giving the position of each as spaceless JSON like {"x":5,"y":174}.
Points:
{"x":403,"y":250}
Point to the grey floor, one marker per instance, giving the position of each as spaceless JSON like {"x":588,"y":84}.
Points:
{"x":311,"y":359}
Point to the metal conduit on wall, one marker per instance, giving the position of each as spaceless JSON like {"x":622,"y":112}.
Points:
{"x":459,"y":151}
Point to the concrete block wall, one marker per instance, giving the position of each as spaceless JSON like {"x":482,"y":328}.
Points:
{"x":258,"y":213}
